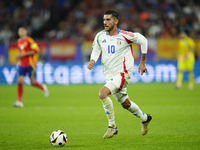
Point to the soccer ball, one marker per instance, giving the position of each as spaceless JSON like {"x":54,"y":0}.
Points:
{"x":58,"y":138}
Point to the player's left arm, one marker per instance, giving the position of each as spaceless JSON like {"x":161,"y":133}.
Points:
{"x":191,"y":46}
{"x":142,"y":66}
{"x":142,"y":41}
{"x":33,"y":45}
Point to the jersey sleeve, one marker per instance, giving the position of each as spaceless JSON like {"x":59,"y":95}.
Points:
{"x":96,"y":49}
{"x":142,"y":41}
{"x":136,"y":38}
{"x":33,"y":45}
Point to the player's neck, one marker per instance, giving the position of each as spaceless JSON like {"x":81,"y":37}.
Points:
{"x":114,"y":31}
{"x":23,"y":37}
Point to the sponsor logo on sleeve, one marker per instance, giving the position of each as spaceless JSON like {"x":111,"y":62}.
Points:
{"x":104,"y":41}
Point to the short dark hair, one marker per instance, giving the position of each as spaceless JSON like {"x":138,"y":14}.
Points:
{"x":113,"y":13}
{"x":22,"y":27}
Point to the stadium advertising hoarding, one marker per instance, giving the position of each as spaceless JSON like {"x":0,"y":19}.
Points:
{"x":55,"y":72}
{"x":79,"y":74}
{"x":53,"y":51}
{"x":168,"y":49}
{"x":65,"y":50}
{"x":3,"y":53}
{"x":62,"y":50}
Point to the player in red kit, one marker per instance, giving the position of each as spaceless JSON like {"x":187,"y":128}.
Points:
{"x":27,"y":47}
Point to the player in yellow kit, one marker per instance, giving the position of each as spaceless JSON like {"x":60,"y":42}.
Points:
{"x":186,"y":60}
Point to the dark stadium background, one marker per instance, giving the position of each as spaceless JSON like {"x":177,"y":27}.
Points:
{"x":65,"y":29}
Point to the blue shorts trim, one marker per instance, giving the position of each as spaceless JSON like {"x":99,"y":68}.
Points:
{"x":26,"y":71}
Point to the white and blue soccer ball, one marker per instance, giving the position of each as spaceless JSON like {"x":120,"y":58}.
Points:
{"x":58,"y":138}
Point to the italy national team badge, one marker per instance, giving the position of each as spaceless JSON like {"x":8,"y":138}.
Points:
{"x":119,"y":42}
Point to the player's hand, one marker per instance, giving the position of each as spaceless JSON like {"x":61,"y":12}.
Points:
{"x":90,"y":64}
{"x":186,"y":56}
{"x":142,"y":68}
{"x":18,"y":56}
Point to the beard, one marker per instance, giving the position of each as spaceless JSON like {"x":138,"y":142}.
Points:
{"x":109,"y":28}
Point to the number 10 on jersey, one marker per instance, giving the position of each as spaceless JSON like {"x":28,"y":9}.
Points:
{"x":111,"y":49}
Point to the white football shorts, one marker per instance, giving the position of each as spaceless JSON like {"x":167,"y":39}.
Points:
{"x":117,"y":85}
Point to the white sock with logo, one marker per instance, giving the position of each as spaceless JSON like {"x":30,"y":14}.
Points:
{"x":108,"y":107}
{"x":135,"y":110}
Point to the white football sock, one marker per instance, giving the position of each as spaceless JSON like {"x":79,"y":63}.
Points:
{"x":135,"y":110}
{"x":108,"y":107}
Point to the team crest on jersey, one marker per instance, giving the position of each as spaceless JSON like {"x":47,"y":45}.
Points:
{"x":119,"y":42}
{"x":22,"y":47}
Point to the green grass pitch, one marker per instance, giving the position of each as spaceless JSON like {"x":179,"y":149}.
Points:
{"x":77,"y":110}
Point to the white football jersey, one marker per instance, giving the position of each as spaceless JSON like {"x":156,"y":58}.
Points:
{"x":117,"y":54}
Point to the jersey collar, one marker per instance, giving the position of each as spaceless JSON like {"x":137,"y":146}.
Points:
{"x":117,"y":29}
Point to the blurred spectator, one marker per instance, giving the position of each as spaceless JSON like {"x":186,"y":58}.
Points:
{"x":5,"y":35}
{"x":81,"y":19}
{"x":154,"y":29}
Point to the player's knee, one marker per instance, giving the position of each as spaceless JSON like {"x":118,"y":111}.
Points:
{"x":126,"y":104}
{"x":181,"y":71}
{"x":32,"y":82}
{"x":102,"y":95}
{"x":20,"y":80}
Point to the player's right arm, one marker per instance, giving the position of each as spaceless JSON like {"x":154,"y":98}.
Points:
{"x":95,"y":52}
{"x":23,"y":54}
{"x":90,"y":64}
{"x":192,"y":45}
